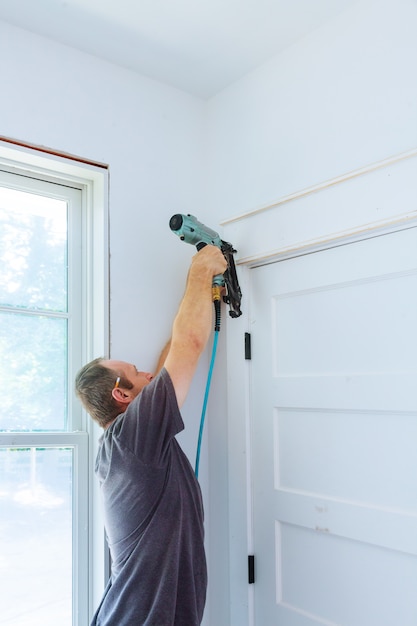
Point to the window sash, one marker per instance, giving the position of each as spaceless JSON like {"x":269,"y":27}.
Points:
{"x":78,"y":442}
{"x":72,"y":196}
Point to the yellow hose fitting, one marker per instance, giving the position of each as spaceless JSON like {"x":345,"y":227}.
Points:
{"x":216,"y":292}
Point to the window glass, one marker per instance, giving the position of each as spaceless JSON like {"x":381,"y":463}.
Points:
{"x":36,"y":536}
{"x":33,"y":370}
{"x":33,"y":251}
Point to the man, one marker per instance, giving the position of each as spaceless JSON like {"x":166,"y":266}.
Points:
{"x":152,"y":501}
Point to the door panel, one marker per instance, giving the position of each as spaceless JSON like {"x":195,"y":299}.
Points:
{"x":334,"y":435}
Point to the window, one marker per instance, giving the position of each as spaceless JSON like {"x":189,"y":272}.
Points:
{"x":52,"y":285}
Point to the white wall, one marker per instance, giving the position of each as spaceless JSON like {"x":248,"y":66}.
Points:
{"x":343,"y":97}
{"x":339,"y":99}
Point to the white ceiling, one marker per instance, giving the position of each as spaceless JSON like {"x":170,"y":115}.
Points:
{"x":199,"y":46}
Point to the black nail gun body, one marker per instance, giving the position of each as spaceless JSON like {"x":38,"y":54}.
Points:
{"x":190,"y":230}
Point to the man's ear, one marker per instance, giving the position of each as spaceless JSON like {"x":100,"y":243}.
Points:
{"x":120,"y":396}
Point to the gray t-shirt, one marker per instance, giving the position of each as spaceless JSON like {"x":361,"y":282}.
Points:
{"x":153,"y":516}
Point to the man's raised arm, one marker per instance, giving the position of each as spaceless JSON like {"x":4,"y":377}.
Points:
{"x":194,"y":320}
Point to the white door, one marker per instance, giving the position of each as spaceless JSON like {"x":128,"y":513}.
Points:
{"x":334,"y":435}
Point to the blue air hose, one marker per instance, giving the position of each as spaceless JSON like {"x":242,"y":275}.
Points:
{"x":210,"y":373}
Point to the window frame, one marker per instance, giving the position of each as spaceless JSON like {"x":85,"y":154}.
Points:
{"x":90,"y":561}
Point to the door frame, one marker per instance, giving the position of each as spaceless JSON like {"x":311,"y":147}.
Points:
{"x":371,"y":201}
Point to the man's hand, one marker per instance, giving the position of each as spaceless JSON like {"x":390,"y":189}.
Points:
{"x":211,"y":259}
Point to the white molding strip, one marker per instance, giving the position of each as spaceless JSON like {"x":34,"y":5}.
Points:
{"x":366,"y":202}
{"x":323,"y":185}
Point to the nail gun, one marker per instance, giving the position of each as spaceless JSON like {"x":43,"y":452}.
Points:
{"x":190,"y":230}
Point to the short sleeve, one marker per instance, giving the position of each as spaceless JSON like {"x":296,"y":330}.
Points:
{"x":151,"y":420}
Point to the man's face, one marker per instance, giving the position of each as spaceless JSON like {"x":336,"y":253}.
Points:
{"x":138,"y":379}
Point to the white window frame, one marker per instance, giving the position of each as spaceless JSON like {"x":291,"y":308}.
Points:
{"x":90,"y":562}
